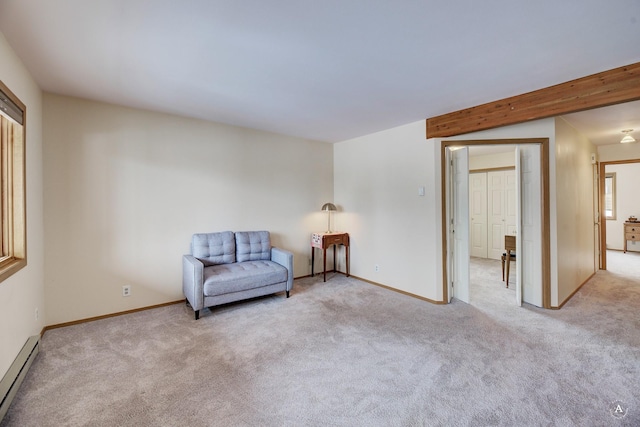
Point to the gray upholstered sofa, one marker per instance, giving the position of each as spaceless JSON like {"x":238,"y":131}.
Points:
{"x":227,"y":266}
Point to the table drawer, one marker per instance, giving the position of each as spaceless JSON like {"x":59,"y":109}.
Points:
{"x":631,"y":229}
{"x":632,"y":236}
{"x":342,"y":239}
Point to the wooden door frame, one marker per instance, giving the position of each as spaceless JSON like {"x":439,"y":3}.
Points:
{"x":545,"y":208}
{"x":602,"y":220}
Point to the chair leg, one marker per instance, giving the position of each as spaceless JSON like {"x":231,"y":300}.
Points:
{"x":502,"y":259}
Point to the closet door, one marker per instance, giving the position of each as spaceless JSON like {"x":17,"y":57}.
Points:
{"x":478,"y":214}
{"x":496,"y":213}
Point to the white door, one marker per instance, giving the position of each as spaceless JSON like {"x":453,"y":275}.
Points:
{"x":518,"y":226}
{"x":478,"y":211}
{"x":529,"y":235}
{"x":459,"y":230}
{"x":511,"y":201}
{"x":496,"y":214}
{"x":448,"y":174}
{"x":597,"y":262}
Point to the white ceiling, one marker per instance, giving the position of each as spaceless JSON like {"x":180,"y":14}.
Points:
{"x":328,"y":70}
{"x":603,"y":126}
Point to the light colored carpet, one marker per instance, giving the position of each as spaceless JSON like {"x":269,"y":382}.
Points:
{"x":347,"y":353}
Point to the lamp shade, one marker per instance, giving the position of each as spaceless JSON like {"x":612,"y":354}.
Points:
{"x":627,"y":138}
{"x":329,"y":207}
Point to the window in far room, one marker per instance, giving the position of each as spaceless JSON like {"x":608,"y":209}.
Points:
{"x":610,"y":195}
{"x":13,"y":250}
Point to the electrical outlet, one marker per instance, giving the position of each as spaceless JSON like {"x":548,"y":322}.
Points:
{"x":37,"y":314}
{"x":376,"y":268}
{"x":126,"y":290}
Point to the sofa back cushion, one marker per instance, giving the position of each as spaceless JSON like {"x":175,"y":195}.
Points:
{"x":253,"y":246}
{"x":214,"y":248}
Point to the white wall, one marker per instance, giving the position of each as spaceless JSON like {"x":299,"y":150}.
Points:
{"x":613,"y":152}
{"x":377,"y":182}
{"x":23,"y":293}
{"x":125,"y":189}
{"x":627,"y":204}
{"x":574,"y":195}
{"x":377,"y":178}
{"x":492,"y":161}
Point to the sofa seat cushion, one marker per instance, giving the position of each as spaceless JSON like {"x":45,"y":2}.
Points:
{"x":240,"y":276}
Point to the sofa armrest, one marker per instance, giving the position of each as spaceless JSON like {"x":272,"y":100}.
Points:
{"x":285,"y":259}
{"x":193,"y":281}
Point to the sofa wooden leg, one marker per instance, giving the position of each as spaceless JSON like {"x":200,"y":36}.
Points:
{"x":197,"y":314}
{"x":287,"y":294}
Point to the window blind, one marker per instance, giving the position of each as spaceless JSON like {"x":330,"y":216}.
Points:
{"x":10,"y":109}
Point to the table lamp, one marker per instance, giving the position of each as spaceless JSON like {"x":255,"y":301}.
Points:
{"x":328,"y":207}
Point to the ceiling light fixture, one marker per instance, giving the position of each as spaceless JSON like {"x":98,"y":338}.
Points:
{"x":627,"y":138}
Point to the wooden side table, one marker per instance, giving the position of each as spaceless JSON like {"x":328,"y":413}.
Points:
{"x":324,"y":241}
{"x":631,"y":232}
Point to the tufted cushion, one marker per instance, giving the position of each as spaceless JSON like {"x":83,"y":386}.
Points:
{"x":214,"y":248}
{"x":242,"y":276}
{"x":253,"y":246}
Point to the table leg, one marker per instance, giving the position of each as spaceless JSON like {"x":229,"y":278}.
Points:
{"x":324,"y":263}
{"x":346,"y":249}
{"x":508,"y":264}
{"x":334,"y":258}
{"x":313,"y":253}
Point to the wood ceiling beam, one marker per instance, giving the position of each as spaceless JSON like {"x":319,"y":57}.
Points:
{"x":598,"y":90}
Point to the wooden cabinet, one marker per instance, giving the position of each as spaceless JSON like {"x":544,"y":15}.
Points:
{"x":631,"y":232}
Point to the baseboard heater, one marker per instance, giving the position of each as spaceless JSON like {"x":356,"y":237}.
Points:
{"x":13,"y":378}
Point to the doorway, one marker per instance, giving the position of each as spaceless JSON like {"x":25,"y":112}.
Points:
{"x":455,"y":219}
{"x":493,"y":204}
{"x":615,"y":209}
